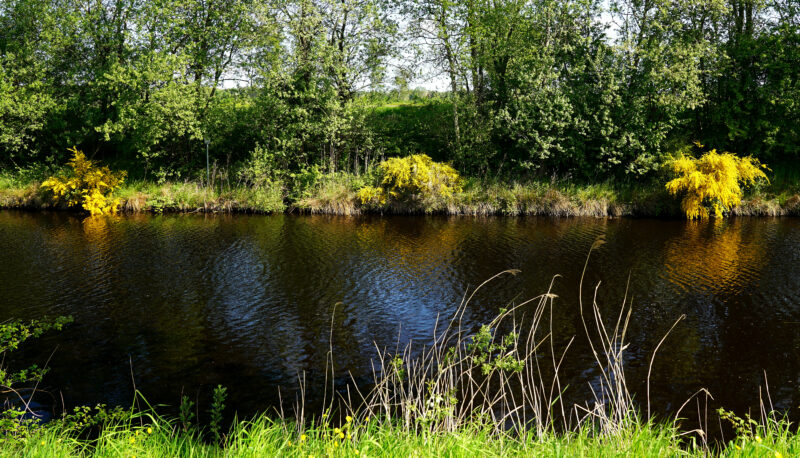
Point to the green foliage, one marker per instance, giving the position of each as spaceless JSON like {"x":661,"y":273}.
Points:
{"x":84,"y":418}
{"x":186,"y":415}
{"x":397,"y":366}
{"x":215,"y":412}
{"x":584,"y":90}
{"x":714,"y":180}
{"x":489,"y":355}
{"x":13,"y":424}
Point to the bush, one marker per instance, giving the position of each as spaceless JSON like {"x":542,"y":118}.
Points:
{"x":87,"y":185}
{"x":415,"y":177}
{"x":712,"y":181}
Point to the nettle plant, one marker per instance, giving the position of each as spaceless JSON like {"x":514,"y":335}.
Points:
{"x":713,"y":181}
{"x":15,"y":423}
{"x":86,"y":185}
{"x":415,"y":177}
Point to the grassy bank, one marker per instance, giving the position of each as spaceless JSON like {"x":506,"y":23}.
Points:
{"x":152,"y":436}
{"x":336,"y":194}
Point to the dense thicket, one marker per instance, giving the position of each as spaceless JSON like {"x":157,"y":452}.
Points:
{"x":573,"y":88}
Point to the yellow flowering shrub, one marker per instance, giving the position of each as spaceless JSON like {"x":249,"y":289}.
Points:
{"x":87,"y":185}
{"x":372,"y":195}
{"x":411,"y":177}
{"x":712,"y":181}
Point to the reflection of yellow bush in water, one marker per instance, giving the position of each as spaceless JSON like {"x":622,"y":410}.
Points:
{"x":88,"y":185}
{"x":712,"y":180}
{"x":415,"y":176}
{"x":716,"y":254}
{"x":422,"y":251}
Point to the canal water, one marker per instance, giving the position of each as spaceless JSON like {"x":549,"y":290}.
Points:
{"x":177,"y":304}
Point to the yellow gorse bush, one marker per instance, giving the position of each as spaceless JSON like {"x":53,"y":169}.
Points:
{"x":87,"y":185}
{"x":415,"y":176}
{"x":713,"y":181}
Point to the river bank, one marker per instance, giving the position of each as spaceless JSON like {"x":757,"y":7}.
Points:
{"x":336,"y":194}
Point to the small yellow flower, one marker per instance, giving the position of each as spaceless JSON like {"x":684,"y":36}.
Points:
{"x":336,"y":430}
{"x":335,"y":445}
{"x":42,"y":442}
{"x":758,"y":438}
{"x":737,"y":447}
{"x":341,"y":435}
{"x":349,"y":418}
{"x":356,"y":452}
{"x":349,"y":436}
{"x":303,"y":438}
{"x":149,"y":430}
{"x":290,"y":443}
{"x":778,"y":455}
{"x":132,"y":440}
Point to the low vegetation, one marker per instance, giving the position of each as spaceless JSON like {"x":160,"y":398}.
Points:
{"x":415,"y":184}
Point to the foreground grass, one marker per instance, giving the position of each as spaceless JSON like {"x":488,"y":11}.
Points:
{"x":336,"y":194}
{"x":152,"y":436}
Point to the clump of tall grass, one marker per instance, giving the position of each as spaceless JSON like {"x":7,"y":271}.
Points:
{"x":333,"y":194}
{"x":505,"y":375}
{"x":190,"y":196}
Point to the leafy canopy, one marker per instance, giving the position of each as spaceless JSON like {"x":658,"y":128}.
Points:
{"x":714,"y":180}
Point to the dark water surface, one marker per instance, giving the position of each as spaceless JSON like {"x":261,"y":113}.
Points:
{"x":188,"y":302}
